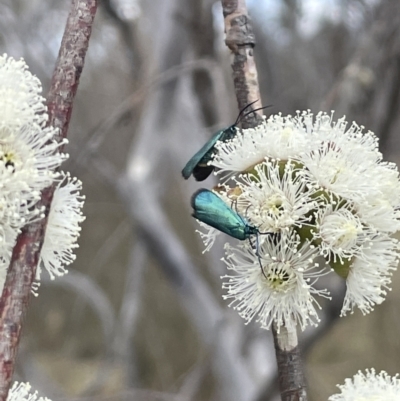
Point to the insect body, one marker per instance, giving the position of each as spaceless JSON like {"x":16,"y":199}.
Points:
{"x":198,"y":164}
{"x":212,"y":210}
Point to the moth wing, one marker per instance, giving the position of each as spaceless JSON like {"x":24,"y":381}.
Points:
{"x":202,"y":170}
{"x":212,"y":210}
{"x":196,"y":159}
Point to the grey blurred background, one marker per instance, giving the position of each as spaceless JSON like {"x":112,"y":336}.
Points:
{"x":140,"y":314}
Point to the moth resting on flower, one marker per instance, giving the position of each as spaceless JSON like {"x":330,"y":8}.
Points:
{"x":323,"y":187}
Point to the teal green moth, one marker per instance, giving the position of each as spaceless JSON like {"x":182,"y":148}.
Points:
{"x":209,"y":208}
{"x":212,"y":210}
{"x":198,"y":164}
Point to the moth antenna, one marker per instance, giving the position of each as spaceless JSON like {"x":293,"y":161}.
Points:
{"x":253,"y":111}
{"x":242,"y":110}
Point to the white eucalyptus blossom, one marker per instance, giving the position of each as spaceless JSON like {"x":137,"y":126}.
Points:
{"x":369,"y":386}
{"x":20,"y":99}
{"x":63,"y":228}
{"x":377,"y":212}
{"x":281,"y":289}
{"x":28,"y":159}
{"x":386,"y":181}
{"x":338,"y":170}
{"x":322,"y":187}
{"x":341,"y":234}
{"x":279,"y":138}
{"x":274,"y":198}
{"x":22,"y":392}
{"x":369,"y":278}
{"x":348,"y":162}
{"x":344,"y":139}
{"x":29,"y":152}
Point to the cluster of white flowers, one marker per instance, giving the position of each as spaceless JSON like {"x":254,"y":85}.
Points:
{"x":21,"y":392}
{"x":29,"y":159}
{"x":323,"y":192}
{"x":369,"y":386}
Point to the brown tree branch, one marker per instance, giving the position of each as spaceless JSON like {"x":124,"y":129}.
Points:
{"x":241,"y":41}
{"x":292,"y":381}
{"x":21,"y":273}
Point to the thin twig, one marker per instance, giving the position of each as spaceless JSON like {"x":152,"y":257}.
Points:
{"x":21,"y":273}
{"x":240,"y":40}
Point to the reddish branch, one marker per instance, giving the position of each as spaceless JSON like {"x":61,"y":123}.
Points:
{"x":21,"y":273}
{"x":241,"y":41}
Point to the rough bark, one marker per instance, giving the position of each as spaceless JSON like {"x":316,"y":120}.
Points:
{"x":240,"y":40}
{"x":290,"y":366}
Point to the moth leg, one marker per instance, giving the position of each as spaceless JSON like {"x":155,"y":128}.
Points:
{"x":256,"y":247}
